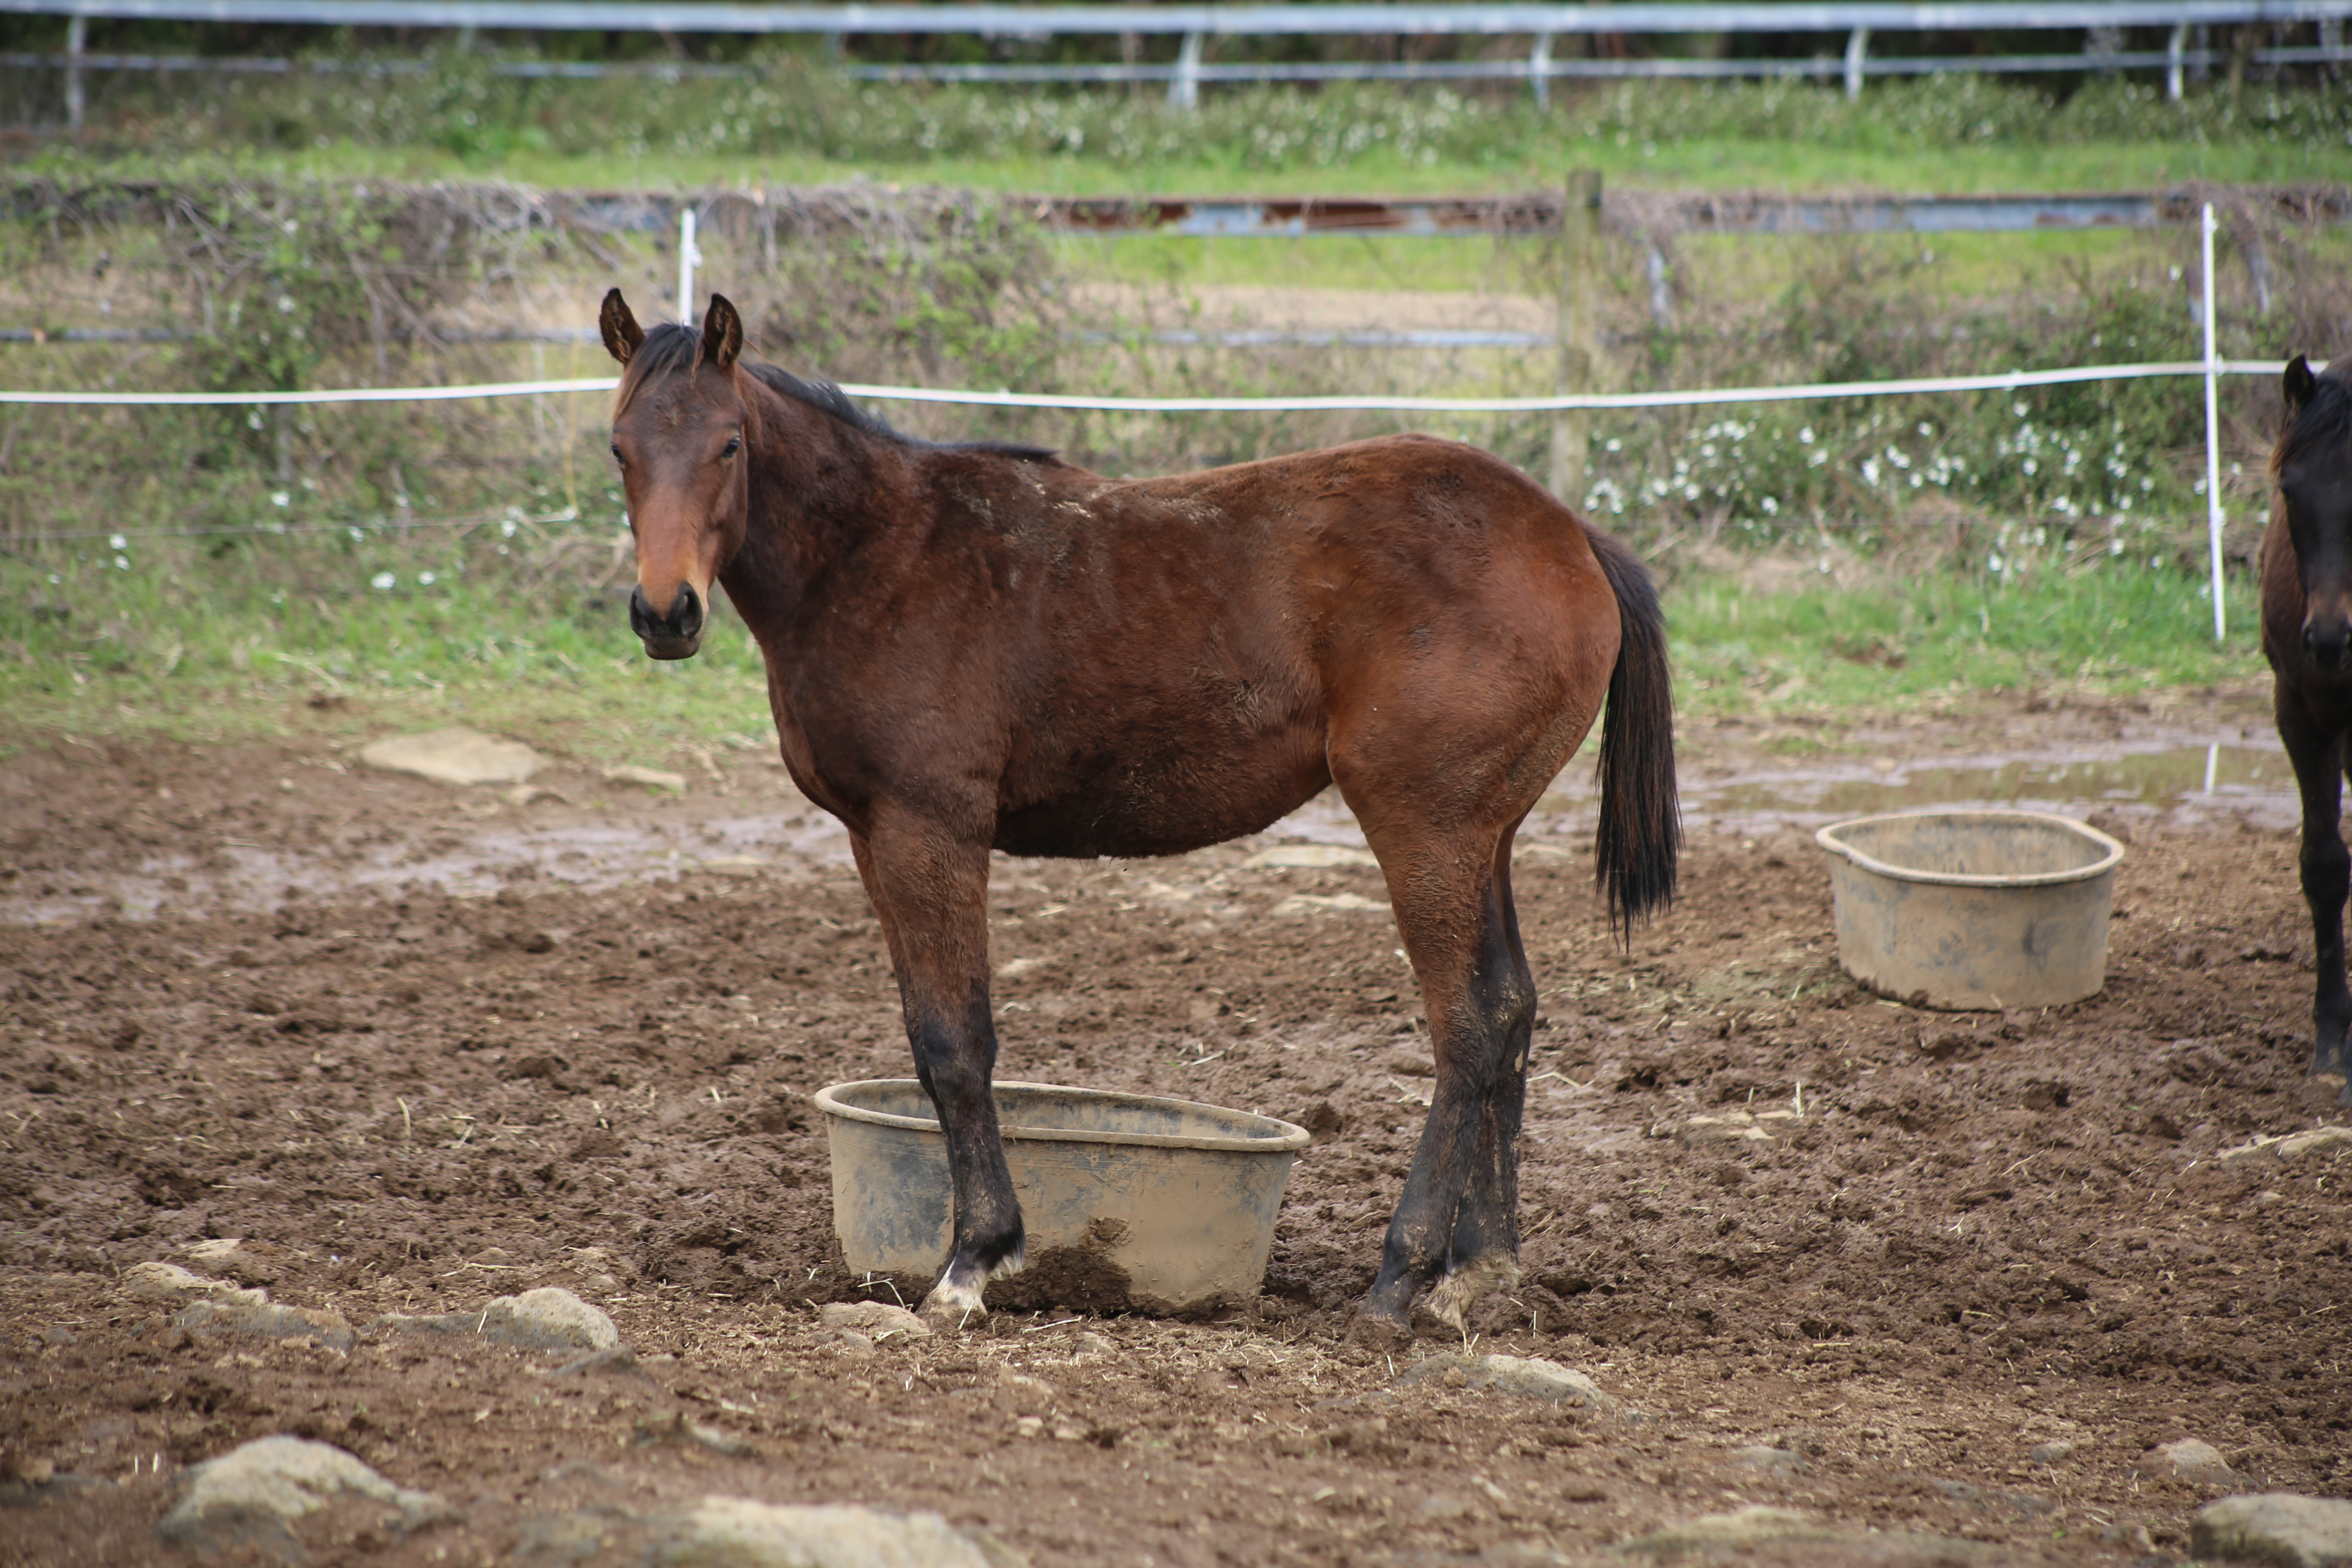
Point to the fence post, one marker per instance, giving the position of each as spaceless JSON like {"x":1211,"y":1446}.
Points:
{"x":1579,"y":329}
{"x":2174,"y":47}
{"x":2213,"y":430}
{"x":1539,"y":69}
{"x":77,"y":36}
{"x":1857,"y":49}
{"x":1184,"y":87}
{"x":687,"y":256}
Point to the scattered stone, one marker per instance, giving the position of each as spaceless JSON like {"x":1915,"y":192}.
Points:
{"x":1531,"y":1377}
{"x":1732,"y":1127}
{"x":851,"y":1344}
{"x":652,"y":778}
{"x":548,"y":1319}
{"x":1446,"y":1505}
{"x":2025,"y":1505}
{"x":454,"y":756}
{"x":1087,"y":1342}
{"x":737,"y":865}
{"x":1309,"y":903}
{"x":29,"y":1483}
{"x":252,"y":1497}
{"x":250,"y":1262}
{"x":2056,"y":1453}
{"x":616,"y":1361}
{"x":2291,"y":1146}
{"x":876,"y":1319}
{"x":1775,"y":1461}
{"x":1309,"y":856}
{"x":678,"y":1426}
{"x":170,"y":1282}
{"x":244,"y":1316}
{"x":2189,"y":1459}
{"x":2276,"y":1527}
{"x":1714,"y":1532}
{"x":734,"y":1533}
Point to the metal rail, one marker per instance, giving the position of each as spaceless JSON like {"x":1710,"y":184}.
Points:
{"x":1542,"y":25}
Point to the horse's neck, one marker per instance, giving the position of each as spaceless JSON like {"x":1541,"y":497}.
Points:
{"x":818,"y":490}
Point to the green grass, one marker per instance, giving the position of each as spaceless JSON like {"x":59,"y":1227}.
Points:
{"x":205,"y":650}
{"x":798,"y":124}
{"x":2116,"y":629}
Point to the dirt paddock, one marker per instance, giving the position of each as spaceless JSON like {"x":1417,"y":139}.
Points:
{"x":419,"y":1047}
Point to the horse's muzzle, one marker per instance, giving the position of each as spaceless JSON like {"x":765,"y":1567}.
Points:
{"x":2328,"y":641}
{"x":675,"y":633}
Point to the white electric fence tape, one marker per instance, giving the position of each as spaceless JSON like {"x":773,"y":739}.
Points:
{"x":2006,"y":380}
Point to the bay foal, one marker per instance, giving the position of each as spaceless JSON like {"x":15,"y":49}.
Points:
{"x":2307,"y":638}
{"x":981,"y":646}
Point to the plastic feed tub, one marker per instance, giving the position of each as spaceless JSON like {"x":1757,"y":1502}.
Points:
{"x":1973,"y":908}
{"x":1165,"y":1206}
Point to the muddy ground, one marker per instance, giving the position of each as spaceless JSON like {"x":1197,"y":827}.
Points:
{"x":420,"y":1046}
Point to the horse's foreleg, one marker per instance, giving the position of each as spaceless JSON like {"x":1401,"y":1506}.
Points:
{"x":2316,"y":751}
{"x":1457,"y":1216}
{"x":930,"y":888}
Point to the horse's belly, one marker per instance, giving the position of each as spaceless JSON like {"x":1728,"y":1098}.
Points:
{"x":1166,"y":809}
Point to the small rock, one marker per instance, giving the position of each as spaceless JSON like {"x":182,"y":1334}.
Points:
{"x":1445,"y":1505}
{"x":1775,"y":1461}
{"x":652,"y":778}
{"x":252,"y":1497}
{"x":876,"y":1319}
{"x":2276,"y":1527}
{"x":853,"y":1344}
{"x":1309,"y":856}
{"x":454,"y":756}
{"x":1309,"y":903}
{"x":619,"y":1360}
{"x":1711,"y":1533}
{"x":1732,"y":1127}
{"x":2190,"y":1459}
{"x":58,"y":1334}
{"x":170,"y":1282}
{"x":2317,"y":1141}
{"x":263,"y":1320}
{"x":2056,"y":1453}
{"x":1087,"y":1343}
{"x":251,"y":1262}
{"x":1529,"y":1376}
{"x":548,"y":1319}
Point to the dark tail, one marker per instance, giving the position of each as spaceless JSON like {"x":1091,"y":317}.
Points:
{"x":1641,"y":832}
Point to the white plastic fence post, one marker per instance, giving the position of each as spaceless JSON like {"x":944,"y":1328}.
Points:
{"x":1857,"y":49}
{"x":2174,"y":71}
{"x":1184,"y":87}
{"x":1539,"y":69}
{"x":77,"y":39}
{"x":2213,"y":430}
{"x":687,"y":256}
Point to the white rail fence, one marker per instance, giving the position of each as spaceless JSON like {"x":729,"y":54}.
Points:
{"x":1197,"y":28}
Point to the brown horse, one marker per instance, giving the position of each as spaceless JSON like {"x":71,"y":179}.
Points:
{"x":981,"y":646}
{"x":2307,"y":638}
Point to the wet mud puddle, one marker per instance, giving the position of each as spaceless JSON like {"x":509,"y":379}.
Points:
{"x":2181,"y":782}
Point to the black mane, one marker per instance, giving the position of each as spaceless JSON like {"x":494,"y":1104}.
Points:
{"x":671,"y":347}
{"x":2325,"y":420}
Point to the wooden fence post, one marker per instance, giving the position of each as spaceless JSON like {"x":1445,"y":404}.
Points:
{"x":1579,"y":329}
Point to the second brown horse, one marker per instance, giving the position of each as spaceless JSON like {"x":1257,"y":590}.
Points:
{"x":977,"y":647}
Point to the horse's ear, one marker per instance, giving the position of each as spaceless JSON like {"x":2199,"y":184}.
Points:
{"x":722,"y":333}
{"x":621,"y":333}
{"x":2300,"y":383}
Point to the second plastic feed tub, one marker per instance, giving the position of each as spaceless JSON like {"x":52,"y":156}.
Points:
{"x":1171,"y":1203}
{"x":1973,"y":908}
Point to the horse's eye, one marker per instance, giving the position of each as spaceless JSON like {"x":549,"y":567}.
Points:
{"x":734,"y":445}
{"x":616,"y":454}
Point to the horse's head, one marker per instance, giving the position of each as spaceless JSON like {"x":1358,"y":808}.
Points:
{"x":678,"y":433}
{"x":2313,"y":468}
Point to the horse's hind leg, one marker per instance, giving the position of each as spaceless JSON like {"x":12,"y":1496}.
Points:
{"x":1456,"y":1216}
{"x":2317,"y":751}
{"x":1482,"y":1254}
{"x":930,"y":888}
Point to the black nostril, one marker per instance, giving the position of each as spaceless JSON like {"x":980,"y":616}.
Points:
{"x":687,"y":614}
